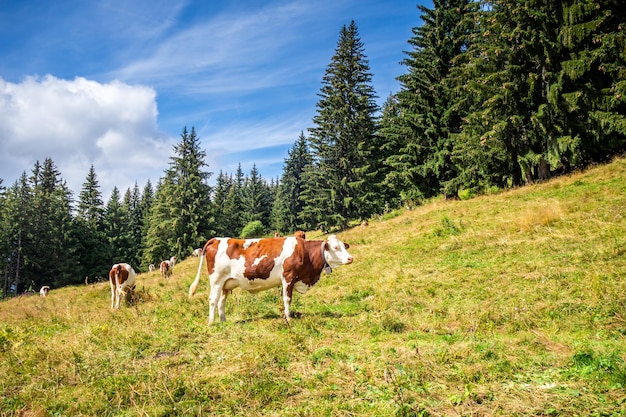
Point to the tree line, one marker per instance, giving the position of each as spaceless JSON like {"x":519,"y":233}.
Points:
{"x":495,"y":94}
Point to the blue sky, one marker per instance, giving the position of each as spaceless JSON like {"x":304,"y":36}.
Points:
{"x":112,"y":83}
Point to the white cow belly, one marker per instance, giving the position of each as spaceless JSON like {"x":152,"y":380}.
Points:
{"x":256,"y":285}
{"x":301,"y":287}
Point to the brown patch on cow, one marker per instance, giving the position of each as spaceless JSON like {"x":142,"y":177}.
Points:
{"x":118,"y":275}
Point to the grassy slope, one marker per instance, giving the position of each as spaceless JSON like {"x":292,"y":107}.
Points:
{"x":511,"y":304}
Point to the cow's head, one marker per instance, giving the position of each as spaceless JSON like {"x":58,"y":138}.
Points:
{"x":335,"y":252}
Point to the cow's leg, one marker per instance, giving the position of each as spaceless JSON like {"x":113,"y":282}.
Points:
{"x":287,"y":294}
{"x":222,"y":303}
{"x":214,"y":297}
{"x":112,"y":296}
{"x":118,"y":295}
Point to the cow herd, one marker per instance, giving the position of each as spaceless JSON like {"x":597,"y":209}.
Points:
{"x":293,"y":263}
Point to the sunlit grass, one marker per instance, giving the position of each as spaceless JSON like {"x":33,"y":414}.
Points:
{"x":508,"y":304}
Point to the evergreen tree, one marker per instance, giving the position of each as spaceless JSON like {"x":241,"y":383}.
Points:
{"x":16,"y":217}
{"x":145,"y":207}
{"x":345,"y":125}
{"x":48,"y":259}
{"x":256,"y":199}
{"x":133,"y":204}
{"x":421,"y":131}
{"x":116,"y":223}
{"x":160,"y":236}
{"x":511,"y":63}
{"x":222,"y":188}
{"x":590,"y":89}
{"x":88,"y":231}
{"x":233,"y":205}
{"x":183,"y":216}
{"x":288,"y":205}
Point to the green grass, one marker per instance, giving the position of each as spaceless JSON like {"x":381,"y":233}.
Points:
{"x":512,"y":304}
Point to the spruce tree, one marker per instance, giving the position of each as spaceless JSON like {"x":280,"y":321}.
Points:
{"x":288,"y":205}
{"x":591,"y":86}
{"x":16,"y":218}
{"x":221,"y":190}
{"x":182,"y":217}
{"x":145,"y":208}
{"x":51,"y":262}
{"x":234,"y":206}
{"x":116,"y":224}
{"x":421,"y":131}
{"x":88,"y":231}
{"x":345,"y":124}
{"x":256,"y":199}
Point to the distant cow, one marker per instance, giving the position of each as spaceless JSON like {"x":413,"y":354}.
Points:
{"x":121,"y":278}
{"x":151,"y":267}
{"x":197,"y":252}
{"x":166,"y":270}
{"x":43,"y":292}
{"x":260,"y":264}
{"x":167,"y":266}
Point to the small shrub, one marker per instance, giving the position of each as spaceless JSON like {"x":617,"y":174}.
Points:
{"x":253,"y":229}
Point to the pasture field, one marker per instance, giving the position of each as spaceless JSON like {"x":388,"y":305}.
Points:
{"x":512,"y":304}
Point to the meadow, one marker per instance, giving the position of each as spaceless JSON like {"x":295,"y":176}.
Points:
{"x":511,"y":304}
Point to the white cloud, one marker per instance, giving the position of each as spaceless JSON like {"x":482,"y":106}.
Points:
{"x":78,"y":123}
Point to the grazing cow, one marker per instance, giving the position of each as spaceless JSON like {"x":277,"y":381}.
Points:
{"x":166,"y":269}
{"x":167,"y":266}
{"x":121,"y":278}
{"x":44,"y":291}
{"x":260,"y":264}
{"x":151,"y":267}
{"x":197,"y":252}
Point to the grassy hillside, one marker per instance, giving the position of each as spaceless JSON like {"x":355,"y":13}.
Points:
{"x":510,"y":304}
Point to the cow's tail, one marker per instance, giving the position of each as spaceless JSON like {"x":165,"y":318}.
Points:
{"x":196,"y":282}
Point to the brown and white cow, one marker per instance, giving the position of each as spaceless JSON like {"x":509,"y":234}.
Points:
{"x":167,"y":266}
{"x":121,"y":278}
{"x":260,"y":264}
{"x":43,"y":291}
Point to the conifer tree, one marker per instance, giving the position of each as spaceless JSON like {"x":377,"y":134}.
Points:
{"x":256,"y":199}
{"x":421,"y":131}
{"x":88,"y":231}
{"x":221,"y":190}
{"x":16,"y":217}
{"x":510,"y":64}
{"x":145,"y":208}
{"x":51,"y":261}
{"x":288,"y":205}
{"x":345,"y":124}
{"x":591,"y":87}
{"x":183,"y":217}
{"x":116,"y":224}
{"x":233,"y":205}
{"x":133,"y":205}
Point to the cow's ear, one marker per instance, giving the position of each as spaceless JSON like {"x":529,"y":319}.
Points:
{"x":347,"y":245}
